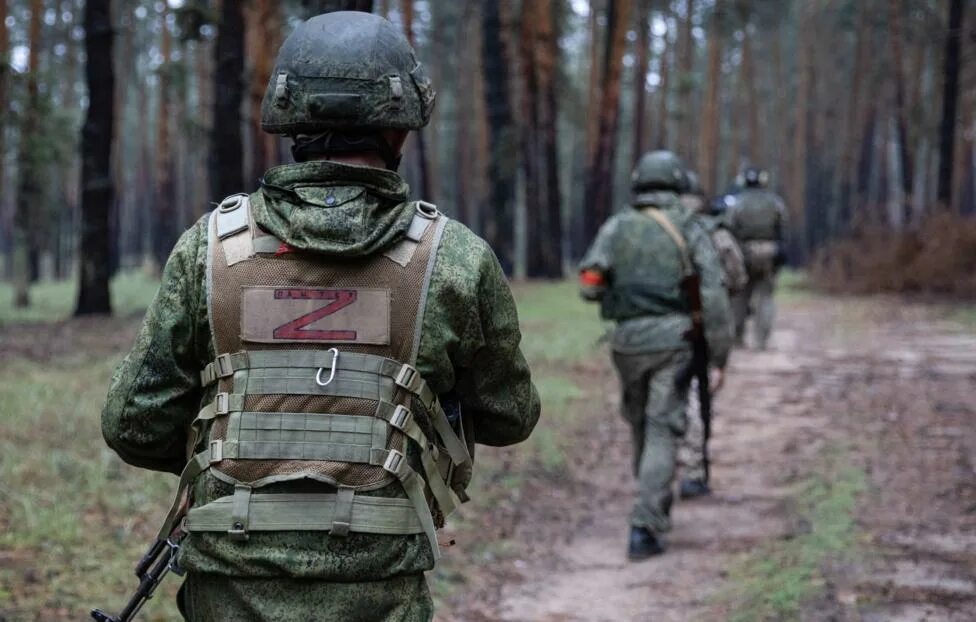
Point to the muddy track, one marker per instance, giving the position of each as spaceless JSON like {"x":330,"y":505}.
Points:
{"x":889,"y":382}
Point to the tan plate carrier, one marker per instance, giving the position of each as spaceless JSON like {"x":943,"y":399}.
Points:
{"x":314,"y":403}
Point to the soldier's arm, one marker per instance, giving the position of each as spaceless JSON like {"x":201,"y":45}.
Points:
{"x":594,"y":268}
{"x":156,"y":391}
{"x":715,"y":301}
{"x":495,"y":387}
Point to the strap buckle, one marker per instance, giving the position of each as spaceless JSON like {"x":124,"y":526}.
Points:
{"x":408,"y":378}
{"x":223,"y":366}
{"x":401,"y":417}
{"x":222,"y":403}
{"x":394,"y":463}
{"x":216,"y":451}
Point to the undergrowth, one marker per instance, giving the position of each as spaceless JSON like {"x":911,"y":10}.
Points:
{"x":51,"y":301}
{"x":774,"y":582}
{"x":935,"y":258}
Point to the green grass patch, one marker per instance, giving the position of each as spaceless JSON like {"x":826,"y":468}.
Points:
{"x":73,"y":518}
{"x":774,"y":582}
{"x":793,"y":285}
{"x":52,"y":301}
{"x":966,"y":317}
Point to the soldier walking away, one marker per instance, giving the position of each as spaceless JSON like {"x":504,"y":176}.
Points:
{"x":692,"y":455}
{"x":758,"y":220}
{"x":636,"y":268}
{"x":344,"y":348}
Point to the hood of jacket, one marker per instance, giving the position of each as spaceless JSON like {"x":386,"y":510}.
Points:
{"x":332,"y":208}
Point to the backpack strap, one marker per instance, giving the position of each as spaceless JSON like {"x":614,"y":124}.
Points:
{"x":679,"y":240}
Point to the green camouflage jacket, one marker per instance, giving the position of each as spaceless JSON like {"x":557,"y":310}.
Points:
{"x":469,"y":344}
{"x":644,"y":270}
{"x":758,"y":214}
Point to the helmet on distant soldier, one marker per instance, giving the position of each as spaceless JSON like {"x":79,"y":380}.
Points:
{"x":721,"y":204}
{"x":694,"y":184}
{"x":755,"y":177}
{"x":340,"y":80}
{"x":659,"y":170}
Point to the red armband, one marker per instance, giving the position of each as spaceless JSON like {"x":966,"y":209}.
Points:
{"x":592,"y":278}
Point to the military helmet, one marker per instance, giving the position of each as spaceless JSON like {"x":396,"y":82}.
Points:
{"x":755,"y":177}
{"x":346,"y":71}
{"x":721,"y":204}
{"x":659,"y":170}
{"x":694,"y":184}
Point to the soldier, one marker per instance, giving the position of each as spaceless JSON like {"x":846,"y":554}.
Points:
{"x":636,"y":268}
{"x":344,"y":349}
{"x":694,"y":481}
{"x":758,"y":221}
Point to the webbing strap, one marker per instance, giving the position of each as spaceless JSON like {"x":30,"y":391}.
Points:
{"x":196,"y":465}
{"x":342,"y":518}
{"x":267,"y":244}
{"x":413,"y":485}
{"x":675,"y":235}
{"x":293,"y":372}
{"x":240,"y":512}
{"x":309,"y":512}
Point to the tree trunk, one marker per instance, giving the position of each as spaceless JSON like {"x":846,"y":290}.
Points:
{"x":686,"y":46}
{"x":708,"y":145}
{"x":598,"y":193}
{"x":950,"y":101}
{"x":549,"y":55}
{"x":798,"y":187}
{"x":318,"y":7}
{"x":263,"y":35}
{"x":4,"y":96}
{"x":752,"y":102}
{"x":227,"y":148}
{"x":500,"y":228}
{"x":640,"y":78}
{"x":420,"y":140}
{"x":898,"y":69}
{"x":29,"y":187}
{"x":662,"y":137}
{"x":164,"y":213}
{"x":595,"y":79}
{"x":531,"y":158}
{"x":853,"y":124}
{"x":97,"y":185}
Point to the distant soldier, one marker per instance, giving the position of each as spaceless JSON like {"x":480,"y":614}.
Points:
{"x":692,"y":454}
{"x":636,"y":268}
{"x":758,"y":220}
{"x":344,"y":347}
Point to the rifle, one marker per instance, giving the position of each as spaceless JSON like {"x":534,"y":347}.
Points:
{"x":159,"y":560}
{"x":698,"y":367}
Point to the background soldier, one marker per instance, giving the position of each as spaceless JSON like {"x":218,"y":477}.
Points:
{"x":758,"y":221}
{"x":635,"y":268}
{"x":324,"y":292}
{"x":694,"y":481}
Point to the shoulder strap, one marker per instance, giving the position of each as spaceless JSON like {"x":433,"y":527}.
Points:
{"x":675,"y":235}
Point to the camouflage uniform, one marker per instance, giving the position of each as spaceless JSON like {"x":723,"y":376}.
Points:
{"x":468,"y":346}
{"x":758,"y":221}
{"x":644,"y":269}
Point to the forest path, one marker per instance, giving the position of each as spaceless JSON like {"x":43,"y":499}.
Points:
{"x":888,"y":382}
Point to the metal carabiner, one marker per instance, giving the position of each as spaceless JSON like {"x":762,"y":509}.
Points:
{"x":318,"y":376}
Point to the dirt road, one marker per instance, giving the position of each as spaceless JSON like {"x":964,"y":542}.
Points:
{"x":888,"y":384}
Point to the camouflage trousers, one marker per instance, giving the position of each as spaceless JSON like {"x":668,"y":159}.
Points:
{"x":756,"y":299}
{"x":219,"y":598}
{"x":655,"y":410}
{"x":691,"y":454}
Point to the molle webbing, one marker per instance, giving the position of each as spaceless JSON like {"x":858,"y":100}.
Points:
{"x":288,"y":406}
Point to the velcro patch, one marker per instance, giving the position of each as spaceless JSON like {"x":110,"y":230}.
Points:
{"x":301,"y":314}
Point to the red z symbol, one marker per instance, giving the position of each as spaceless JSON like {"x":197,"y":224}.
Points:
{"x":341,"y":298}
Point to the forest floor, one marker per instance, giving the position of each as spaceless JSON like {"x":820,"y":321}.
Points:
{"x":844,"y":477}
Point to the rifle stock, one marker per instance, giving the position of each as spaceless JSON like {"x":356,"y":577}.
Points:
{"x":698,"y":367}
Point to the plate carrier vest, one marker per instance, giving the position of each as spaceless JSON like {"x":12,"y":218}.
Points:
{"x":316,"y":380}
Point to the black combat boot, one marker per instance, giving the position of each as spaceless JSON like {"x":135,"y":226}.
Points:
{"x":643,"y":544}
{"x":693,"y":488}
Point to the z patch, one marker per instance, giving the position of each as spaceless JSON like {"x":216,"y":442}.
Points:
{"x":301,"y":314}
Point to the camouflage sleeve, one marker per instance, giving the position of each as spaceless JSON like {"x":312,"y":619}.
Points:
{"x":495,"y":385}
{"x":156,"y":391}
{"x":715,"y":299}
{"x":598,"y":261}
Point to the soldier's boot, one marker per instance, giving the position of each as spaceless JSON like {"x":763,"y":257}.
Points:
{"x":644,"y":544}
{"x":693,"y":488}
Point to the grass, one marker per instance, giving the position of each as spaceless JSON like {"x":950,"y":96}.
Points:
{"x":774,"y":582}
{"x":52,"y":301}
{"x":74,"y":518}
